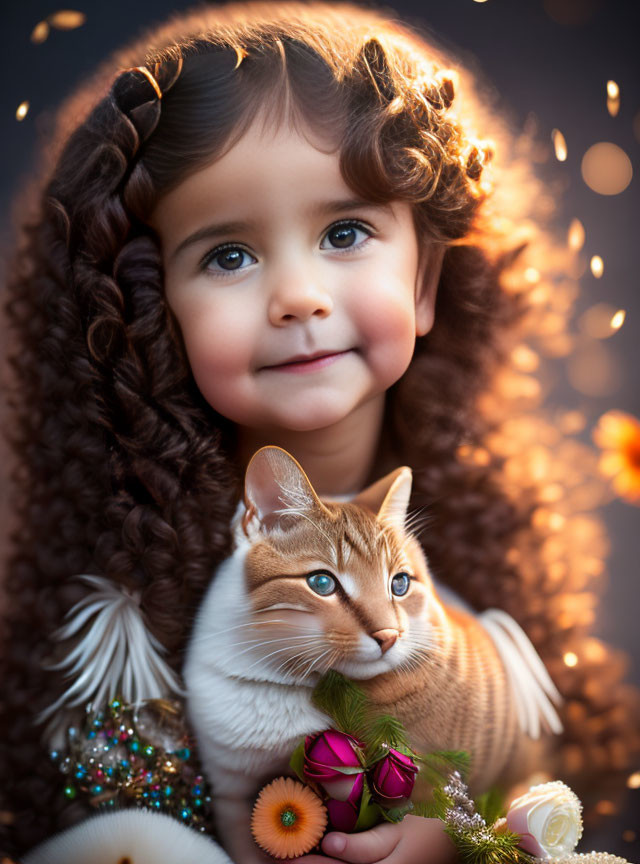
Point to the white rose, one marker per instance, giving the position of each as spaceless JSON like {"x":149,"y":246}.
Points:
{"x":548,"y":818}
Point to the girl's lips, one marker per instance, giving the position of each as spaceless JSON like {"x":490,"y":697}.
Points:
{"x":308,"y":365}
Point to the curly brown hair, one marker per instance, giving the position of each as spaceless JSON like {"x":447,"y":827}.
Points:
{"x":123,"y":469}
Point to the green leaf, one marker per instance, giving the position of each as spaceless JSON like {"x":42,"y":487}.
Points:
{"x":296,"y":763}
{"x":370,"y":813}
{"x":436,"y":767}
{"x":382,"y":732}
{"x":436,"y":808}
{"x":342,"y":700}
{"x":490,"y":805}
{"x":396,"y":814}
{"x":477,"y":847}
{"x":347,"y":769}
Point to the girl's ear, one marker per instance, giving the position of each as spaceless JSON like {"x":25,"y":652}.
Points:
{"x":388,"y":497}
{"x":429,"y":270}
{"x":276,"y":487}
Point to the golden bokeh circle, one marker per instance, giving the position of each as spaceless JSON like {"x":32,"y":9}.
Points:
{"x":606,"y":168}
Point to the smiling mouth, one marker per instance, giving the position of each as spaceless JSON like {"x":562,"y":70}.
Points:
{"x":309,"y":363}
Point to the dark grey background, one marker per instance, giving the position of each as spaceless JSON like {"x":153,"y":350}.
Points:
{"x":537,"y":65}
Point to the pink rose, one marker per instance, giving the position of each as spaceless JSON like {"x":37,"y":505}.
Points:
{"x":343,"y":815}
{"x":326,"y":756}
{"x":393,"y":779}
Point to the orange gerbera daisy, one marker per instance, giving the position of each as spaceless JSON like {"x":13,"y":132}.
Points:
{"x":618,"y":435}
{"x":288,"y":818}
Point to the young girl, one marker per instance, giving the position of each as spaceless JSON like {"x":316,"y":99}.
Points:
{"x":275,"y":224}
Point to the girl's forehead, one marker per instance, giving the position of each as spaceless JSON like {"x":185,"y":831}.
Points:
{"x":268,"y":172}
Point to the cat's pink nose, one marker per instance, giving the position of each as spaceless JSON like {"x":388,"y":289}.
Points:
{"x":385,"y":638}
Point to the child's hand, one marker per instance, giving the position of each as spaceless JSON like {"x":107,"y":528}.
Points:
{"x":415,"y":840}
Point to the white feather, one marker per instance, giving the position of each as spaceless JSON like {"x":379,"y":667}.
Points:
{"x":533,"y":690}
{"x":116,"y":656}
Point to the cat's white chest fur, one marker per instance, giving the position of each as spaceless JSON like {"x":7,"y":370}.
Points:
{"x":246,"y":718}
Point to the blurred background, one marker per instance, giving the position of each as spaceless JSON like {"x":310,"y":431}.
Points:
{"x":568,"y":70}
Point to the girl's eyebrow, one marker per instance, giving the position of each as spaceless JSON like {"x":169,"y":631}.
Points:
{"x":222,"y":229}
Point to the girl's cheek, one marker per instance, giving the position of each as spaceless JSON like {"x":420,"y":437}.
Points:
{"x":389,"y":319}
{"x":219,"y":336}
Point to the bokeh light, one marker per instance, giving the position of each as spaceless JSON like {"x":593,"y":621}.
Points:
{"x":606,"y":168}
{"x":593,"y":371}
{"x":618,"y":319}
{"x":576,"y":235}
{"x":613,"y":98}
{"x":559,"y":145}
{"x":601,"y":321}
{"x":597,"y":266}
{"x":21,"y":110}
{"x":570,"y":659}
{"x":40,"y":32}
{"x":67,"y":19}
{"x":613,"y":106}
{"x":571,"y":13}
{"x":633,"y":780}
{"x":613,"y":91}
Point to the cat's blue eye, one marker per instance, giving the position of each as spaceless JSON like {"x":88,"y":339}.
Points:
{"x":345,"y":235}
{"x":400,"y":584}
{"x":322,"y":583}
{"x":225,"y":260}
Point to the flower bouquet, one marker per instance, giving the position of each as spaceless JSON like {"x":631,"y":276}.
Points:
{"x":363,"y":771}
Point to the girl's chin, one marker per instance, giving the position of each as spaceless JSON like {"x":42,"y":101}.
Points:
{"x":307,"y":418}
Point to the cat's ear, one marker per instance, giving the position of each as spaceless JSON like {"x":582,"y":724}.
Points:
{"x":389,"y":497}
{"x":276,"y":489}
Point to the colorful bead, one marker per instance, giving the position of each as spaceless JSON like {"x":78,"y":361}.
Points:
{"x":115,"y":764}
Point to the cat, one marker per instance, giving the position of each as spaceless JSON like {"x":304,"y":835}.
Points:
{"x":316,"y":585}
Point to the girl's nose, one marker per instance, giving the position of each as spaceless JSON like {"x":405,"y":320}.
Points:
{"x":298,"y":300}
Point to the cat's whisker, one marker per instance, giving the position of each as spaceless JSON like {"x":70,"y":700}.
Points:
{"x":247,"y":624}
{"x":259,"y":643}
{"x":298,"y":659}
{"x":266,"y":656}
{"x":315,"y":661}
{"x":214,"y":634}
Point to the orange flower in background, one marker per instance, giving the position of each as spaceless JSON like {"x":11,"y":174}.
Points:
{"x":618,"y":435}
{"x":288,"y":818}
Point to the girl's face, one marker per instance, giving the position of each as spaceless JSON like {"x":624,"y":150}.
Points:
{"x":296,"y":302}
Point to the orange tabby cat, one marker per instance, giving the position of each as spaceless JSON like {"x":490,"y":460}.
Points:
{"x":315,"y":585}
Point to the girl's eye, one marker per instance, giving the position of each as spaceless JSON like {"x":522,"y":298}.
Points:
{"x":400,"y":584}
{"x":227,"y":258}
{"x":322,"y":583}
{"x":344,"y":235}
